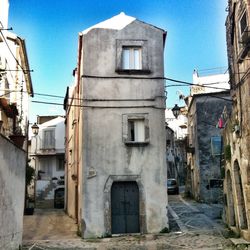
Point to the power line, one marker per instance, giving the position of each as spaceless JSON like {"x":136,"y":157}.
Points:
{"x":5,"y":41}
{"x":94,"y":106}
{"x":153,"y":78}
{"x":11,"y":51}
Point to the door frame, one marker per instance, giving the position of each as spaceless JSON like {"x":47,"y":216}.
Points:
{"x":107,"y":201}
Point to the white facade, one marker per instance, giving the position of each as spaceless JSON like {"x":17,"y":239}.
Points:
{"x":15,"y":80}
{"x":178,"y":125}
{"x":4,"y":10}
{"x":209,"y":83}
{"x":47,"y":158}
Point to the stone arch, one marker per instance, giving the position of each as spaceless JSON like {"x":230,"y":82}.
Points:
{"x":240,"y":196}
{"x":107,"y":201}
{"x":230,"y":201}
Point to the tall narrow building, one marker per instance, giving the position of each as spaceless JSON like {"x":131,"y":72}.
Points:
{"x":115,"y":135}
{"x":237,"y":131}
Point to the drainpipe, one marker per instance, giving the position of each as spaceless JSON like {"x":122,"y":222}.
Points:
{"x":78,"y":119}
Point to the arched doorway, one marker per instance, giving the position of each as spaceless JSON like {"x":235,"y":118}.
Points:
{"x":125,"y":207}
{"x":230,"y":203}
{"x":240,"y":197}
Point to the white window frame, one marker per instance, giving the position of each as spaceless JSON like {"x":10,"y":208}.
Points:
{"x":135,"y":129}
{"x":143,"y":65}
{"x":131,"y":58}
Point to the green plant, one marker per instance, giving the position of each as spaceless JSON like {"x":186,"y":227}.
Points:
{"x":164,"y":230}
{"x":227,"y":152}
{"x":30,"y":174}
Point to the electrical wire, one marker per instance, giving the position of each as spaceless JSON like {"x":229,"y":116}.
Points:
{"x":5,"y":41}
{"x":11,"y":51}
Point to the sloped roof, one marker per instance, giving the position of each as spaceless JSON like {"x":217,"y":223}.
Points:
{"x":52,"y":122}
{"x":117,"y":22}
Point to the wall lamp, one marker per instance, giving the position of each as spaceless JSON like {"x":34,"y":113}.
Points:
{"x":176,"y":110}
{"x":35,"y":129}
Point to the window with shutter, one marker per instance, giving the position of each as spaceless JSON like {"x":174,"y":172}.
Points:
{"x":49,"y":139}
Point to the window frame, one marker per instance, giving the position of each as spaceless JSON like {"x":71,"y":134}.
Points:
{"x":60,"y":160}
{"x":216,"y":145}
{"x":145,"y":63}
{"x":241,"y":32}
{"x":53,"y":140}
{"x":132,"y":62}
{"x":126,"y":118}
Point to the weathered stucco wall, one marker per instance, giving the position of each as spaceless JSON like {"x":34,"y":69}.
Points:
{"x":106,"y":158}
{"x":207,"y":167}
{"x":12,"y":189}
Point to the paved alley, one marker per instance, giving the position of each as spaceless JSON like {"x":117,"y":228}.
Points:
{"x":192,"y":226}
{"x":48,"y":224}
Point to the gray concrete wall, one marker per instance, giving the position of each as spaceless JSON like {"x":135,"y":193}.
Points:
{"x":12,"y":190}
{"x":106,"y":157}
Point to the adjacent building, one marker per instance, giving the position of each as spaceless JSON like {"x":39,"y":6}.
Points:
{"x":47,"y":158}
{"x":15,"y":90}
{"x":237,"y":131}
{"x":115,"y":130}
{"x":15,"y":82}
{"x":205,"y":146}
{"x":209,"y":99}
{"x":176,"y":141}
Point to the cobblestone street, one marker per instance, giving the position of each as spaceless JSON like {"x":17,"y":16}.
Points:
{"x":192,"y":226}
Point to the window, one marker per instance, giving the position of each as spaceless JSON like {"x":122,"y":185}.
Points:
{"x":216,"y":145}
{"x":45,"y":169}
{"x":243,"y":23}
{"x":135,"y":129}
{"x":60,"y":164}
{"x":131,"y":58}
{"x":48,"y":139}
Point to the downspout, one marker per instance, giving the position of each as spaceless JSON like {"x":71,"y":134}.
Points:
{"x":78,"y":119}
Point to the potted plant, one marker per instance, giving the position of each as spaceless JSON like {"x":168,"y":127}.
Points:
{"x":18,"y":137}
{"x":29,"y":202}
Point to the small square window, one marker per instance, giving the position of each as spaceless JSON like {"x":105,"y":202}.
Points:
{"x":135,"y":129}
{"x":131,"y":58}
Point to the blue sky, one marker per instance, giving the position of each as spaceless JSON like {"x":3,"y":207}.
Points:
{"x":195,"y":39}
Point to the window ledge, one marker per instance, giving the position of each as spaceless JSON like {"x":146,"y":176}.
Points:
{"x":243,"y":53}
{"x":133,"y":71}
{"x":136,"y":143}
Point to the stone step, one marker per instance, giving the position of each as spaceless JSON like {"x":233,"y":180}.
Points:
{"x":44,"y":204}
